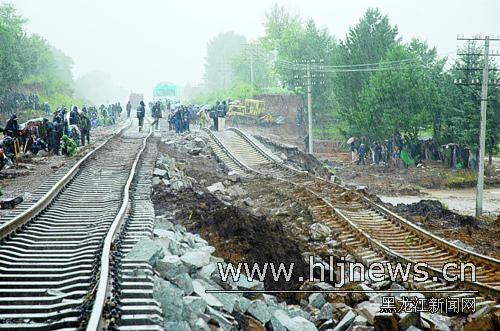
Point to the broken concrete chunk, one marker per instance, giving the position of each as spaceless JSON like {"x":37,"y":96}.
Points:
{"x":440,"y":322}
{"x":171,"y":266}
{"x":360,"y":320}
{"x":346,"y":321}
{"x":200,"y":289}
{"x":242,"y":305}
{"x":317,"y":300}
{"x":216,"y":187}
{"x":228,"y":300}
{"x":244,"y":284}
{"x":156,"y":181}
{"x":157,"y":172}
{"x":193,"y":307}
{"x":184,"y":282}
{"x":319,"y":231}
{"x":295,"y":311}
{"x":195,"y":151}
{"x":260,"y":311}
{"x":196,"y":259}
{"x":169,"y":297}
{"x":201,"y":325}
{"x":224,"y":321}
{"x":207,"y":271}
{"x":146,"y":250}
{"x":299,"y":323}
{"x":369,"y":310}
{"x":164,"y":233}
{"x":326,"y":312}
{"x":178,"y":326}
{"x":279,"y":319}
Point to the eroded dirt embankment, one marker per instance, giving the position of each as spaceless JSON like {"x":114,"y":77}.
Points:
{"x":482,"y":236}
{"x":260,"y":220}
{"x":241,"y":228}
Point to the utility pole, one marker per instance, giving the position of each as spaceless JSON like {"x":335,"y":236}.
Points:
{"x":484,"y":103}
{"x":482,"y":135}
{"x":311,"y":79}
{"x":223,"y":66}
{"x":309,"y":105}
{"x":250,"y":49}
{"x":251,"y":69}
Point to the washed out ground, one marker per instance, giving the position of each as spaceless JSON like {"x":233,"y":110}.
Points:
{"x":481,"y":235}
{"x":249,"y":224}
{"x":254,"y":219}
{"x":251,"y":219}
{"x":447,"y":215}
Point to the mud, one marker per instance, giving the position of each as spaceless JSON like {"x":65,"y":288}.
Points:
{"x":434,"y":209}
{"x":297,"y":158}
{"x":480,"y":235}
{"x":251,"y":223}
{"x":237,"y":235}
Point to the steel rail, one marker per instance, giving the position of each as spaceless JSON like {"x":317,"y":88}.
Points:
{"x":376,"y":244}
{"x":238,"y":162}
{"x":104,"y":284}
{"x":385,"y":211}
{"x":35,"y":209}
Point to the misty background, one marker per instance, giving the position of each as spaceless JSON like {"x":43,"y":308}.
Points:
{"x":132,"y":45}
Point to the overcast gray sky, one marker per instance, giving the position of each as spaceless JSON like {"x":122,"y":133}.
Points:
{"x":142,"y":42}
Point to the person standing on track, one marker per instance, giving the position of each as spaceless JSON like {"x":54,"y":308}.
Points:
{"x":156,"y":113}
{"x":129,"y":108}
{"x":141,"y":112}
{"x":85,"y":126}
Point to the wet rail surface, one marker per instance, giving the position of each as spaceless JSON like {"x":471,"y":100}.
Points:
{"x":366,"y":229}
{"x":50,"y":264}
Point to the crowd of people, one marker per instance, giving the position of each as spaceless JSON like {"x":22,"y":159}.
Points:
{"x":181,"y":118}
{"x":405,"y":152}
{"x":13,"y":102}
{"x":63,"y":133}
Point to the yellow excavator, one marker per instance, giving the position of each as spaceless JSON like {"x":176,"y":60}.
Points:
{"x":250,"y":109}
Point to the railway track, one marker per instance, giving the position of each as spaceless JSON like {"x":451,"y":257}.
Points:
{"x":61,"y":261}
{"x":366,"y":229}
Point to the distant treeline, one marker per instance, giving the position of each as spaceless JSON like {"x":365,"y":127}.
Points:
{"x":30,"y":68}
{"x":370,"y":84}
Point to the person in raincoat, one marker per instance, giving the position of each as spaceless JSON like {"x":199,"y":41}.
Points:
{"x":141,"y":112}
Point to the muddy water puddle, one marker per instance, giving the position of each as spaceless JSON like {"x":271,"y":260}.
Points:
{"x":462,"y":201}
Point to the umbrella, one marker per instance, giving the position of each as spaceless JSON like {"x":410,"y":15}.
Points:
{"x":351,"y":140}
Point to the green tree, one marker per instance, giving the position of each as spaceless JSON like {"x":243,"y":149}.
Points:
{"x":279,"y":25}
{"x":221,"y":50}
{"x":463,"y":115}
{"x":253,"y":55}
{"x":367,"y":42}
{"x":13,"y":59}
{"x":29,"y":64}
{"x":402,"y":99}
{"x":292,"y":41}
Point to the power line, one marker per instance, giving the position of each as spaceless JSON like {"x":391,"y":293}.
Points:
{"x":370,"y":66}
{"x":484,"y":101}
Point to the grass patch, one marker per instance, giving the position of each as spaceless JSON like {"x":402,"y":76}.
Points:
{"x":461,"y":178}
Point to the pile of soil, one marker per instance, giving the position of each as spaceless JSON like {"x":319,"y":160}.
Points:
{"x":237,"y":235}
{"x":477,"y":234}
{"x":296,"y":157}
{"x":435,"y":209}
